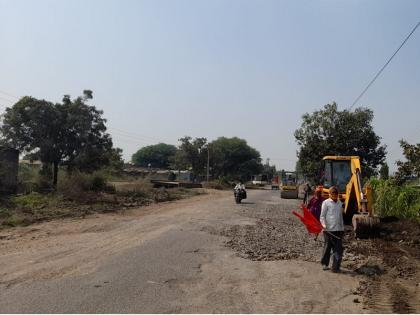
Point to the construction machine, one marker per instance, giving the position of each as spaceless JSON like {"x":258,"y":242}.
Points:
{"x":275,"y":183}
{"x":345,"y":173}
{"x":289,"y":188}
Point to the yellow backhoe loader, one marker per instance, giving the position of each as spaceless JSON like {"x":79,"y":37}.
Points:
{"x":344,"y":172}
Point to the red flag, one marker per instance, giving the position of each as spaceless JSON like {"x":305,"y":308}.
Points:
{"x":312,"y":224}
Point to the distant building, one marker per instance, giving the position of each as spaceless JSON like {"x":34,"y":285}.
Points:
{"x":34,"y":164}
{"x":9,"y":164}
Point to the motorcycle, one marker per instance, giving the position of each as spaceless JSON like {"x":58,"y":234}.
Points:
{"x":239,"y":194}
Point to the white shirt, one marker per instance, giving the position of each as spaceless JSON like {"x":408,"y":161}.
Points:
{"x":240,"y":186}
{"x":332,"y":215}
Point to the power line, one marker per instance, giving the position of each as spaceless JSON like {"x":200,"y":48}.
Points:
{"x":10,"y":95}
{"x":134,"y":135}
{"x":129,"y":136}
{"x":7,"y":100}
{"x":383,"y":68}
{"x":129,"y":141}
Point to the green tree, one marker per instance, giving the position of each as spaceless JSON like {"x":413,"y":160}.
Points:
{"x":116,"y":163}
{"x":88,"y":146}
{"x":35,"y":126}
{"x":384,"y":171}
{"x":410,"y":167}
{"x":298,"y":167}
{"x":72,"y":133}
{"x":159,"y":155}
{"x":332,"y":132}
{"x":192,"y":154}
{"x":233,"y":158}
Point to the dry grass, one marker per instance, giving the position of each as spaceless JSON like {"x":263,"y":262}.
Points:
{"x":77,"y":196}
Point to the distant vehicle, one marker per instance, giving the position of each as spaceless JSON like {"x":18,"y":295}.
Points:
{"x":289,"y":188}
{"x":275,"y":183}
{"x":259,"y":180}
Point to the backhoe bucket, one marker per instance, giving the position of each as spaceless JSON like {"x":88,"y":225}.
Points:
{"x":365,"y":226}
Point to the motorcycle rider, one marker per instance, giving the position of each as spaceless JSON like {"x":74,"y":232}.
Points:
{"x":239,"y":185}
{"x":240,"y":189}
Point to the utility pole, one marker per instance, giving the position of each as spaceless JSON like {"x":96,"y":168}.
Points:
{"x":208,"y":162}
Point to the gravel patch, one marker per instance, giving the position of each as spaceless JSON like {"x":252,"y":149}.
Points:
{"x":277,"y":234}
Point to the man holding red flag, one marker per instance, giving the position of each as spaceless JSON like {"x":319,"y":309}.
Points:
{"x":332,"y":221}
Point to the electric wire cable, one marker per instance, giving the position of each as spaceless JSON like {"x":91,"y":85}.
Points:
{"x":384,"y":66}
{"x":9,"y":95}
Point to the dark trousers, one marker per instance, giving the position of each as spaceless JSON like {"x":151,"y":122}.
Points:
{"x":336,"y":245}
{"x":306,"y":198}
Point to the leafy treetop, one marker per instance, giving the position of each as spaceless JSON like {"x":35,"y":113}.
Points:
{"x":330,"y":131}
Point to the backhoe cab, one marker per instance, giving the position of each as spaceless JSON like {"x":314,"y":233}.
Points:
{"x":344,"y":172}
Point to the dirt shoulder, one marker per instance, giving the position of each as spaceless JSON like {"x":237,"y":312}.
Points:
{"x":74,"y":245}
{"x":391,"y":264}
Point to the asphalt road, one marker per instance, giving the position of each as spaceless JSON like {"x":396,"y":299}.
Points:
{"x":163,"y":259}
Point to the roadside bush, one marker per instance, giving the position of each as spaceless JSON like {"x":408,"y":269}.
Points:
{"x":216,"y":185}
{"x":27,"y":179}
{"x":227,"y":180}
{"x":390,"y":199}
{"x":30,"y":201}
{"x":4,"y":213}
{"x":32,"y":179}
{"x":96,"y":182}
{"x":161,"y":195}
{"x":72,"y":187}
{"x":138,"y":188}
{"x":14,"y":220}
{"x":80,"y":186}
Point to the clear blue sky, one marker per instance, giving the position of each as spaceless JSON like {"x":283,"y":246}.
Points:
{"x":164,"y":69}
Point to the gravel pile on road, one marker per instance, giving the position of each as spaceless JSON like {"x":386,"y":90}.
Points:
{"x":277,"y":235}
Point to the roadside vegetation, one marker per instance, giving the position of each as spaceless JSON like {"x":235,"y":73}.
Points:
{"x":330,"y":131}
{"x":399,"y":196}
{"x":393,"y":200}
{"x":81,"y":194}
{"x":228,"y":159}
{"x":80,"y":171}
